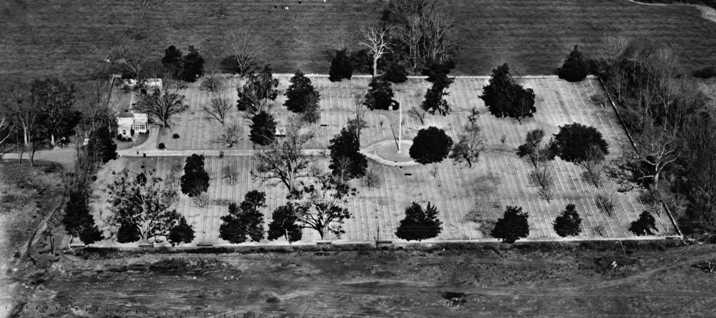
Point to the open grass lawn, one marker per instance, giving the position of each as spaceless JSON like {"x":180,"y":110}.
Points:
{"x":468,"y":199}
{"x":72,"y":37}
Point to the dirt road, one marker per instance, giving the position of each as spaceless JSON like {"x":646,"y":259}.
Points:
{"x":568,"y":282}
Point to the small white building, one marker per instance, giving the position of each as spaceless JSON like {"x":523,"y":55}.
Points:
{"x":130,"y":123}
{"x":153,"y":83}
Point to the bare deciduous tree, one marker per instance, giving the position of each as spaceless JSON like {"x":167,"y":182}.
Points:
{"x":284,"y":159}
{"x":218,"y":109}
{"x":231,"y":135}
{"x":246,"y":48}
{"x":659,"y":147}
{"x":376,"y":41}
{"x":162,"y":105}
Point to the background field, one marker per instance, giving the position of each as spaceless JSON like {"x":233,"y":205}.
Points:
{"x":468,"y":198}
{"x":74,"y":36}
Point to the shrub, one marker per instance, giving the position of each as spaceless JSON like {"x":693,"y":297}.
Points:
{"x":362,"y":61}
{"x":127,"y":233}
{"x":181,"y":233}
{"x":372,"y":179}
{"x":512,"y":226}
{"x":263,"y":129}
{"x":575,"y":67}
{"x":211,"y":83}
{"x":568,"y":223}
{"x":175,"y":136}
{"x":379,"y":95}
{"x":161,"y":146}
{"x":645,"y":225}
{"x":505,"y":98}
{"x":605,"y":204}
{"x":195,"y":179}
{"x":430,"y":145}
{"x":419,"y":223}
{"x":578,"y":143}
{"x":341,"y":66}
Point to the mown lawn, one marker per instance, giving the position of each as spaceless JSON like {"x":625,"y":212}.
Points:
{"x":72,"y":37}
{"x":468,"y":199}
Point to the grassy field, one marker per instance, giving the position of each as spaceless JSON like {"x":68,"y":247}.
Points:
{"x":73,"y":37}
{"x":563,"y":281}
{"x":469,"y":199}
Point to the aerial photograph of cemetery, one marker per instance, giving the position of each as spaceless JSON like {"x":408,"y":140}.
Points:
{"x":368,"y":158}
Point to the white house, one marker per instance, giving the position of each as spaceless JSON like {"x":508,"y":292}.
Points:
{"x":153,"y":83}
{"x":130,"y":123}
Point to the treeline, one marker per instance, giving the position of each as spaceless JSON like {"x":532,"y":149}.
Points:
{"x":672,"y":126}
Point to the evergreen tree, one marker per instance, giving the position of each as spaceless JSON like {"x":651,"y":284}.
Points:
{"x":505,"y":98}
{"x":419,"y":224}
{"x":380,"y":95}
{"x":435,"y":96}
{"x":575,"y":67}
{"x":128,"y":233}
{"x":193,"y":65}
{"x":195,"y":179}
{"x":284,"y":223}
{"x":396,"y":73}
{"x":341,"y":66}
{"x":172,"y":61}
{"x":263,"y":129}
{"x":568,"y":223}
{"x":101,"y":146}
{"x":578,"y":143}
{"x":346,"y":160}
{"x":77,"y":220}
{"x":300,"y":93}
{"x":430,"y":145}
{"x":512,"y":226}
{"x":181,"y":233}
{"x":645,"y":225}
{"x":244,"y":221}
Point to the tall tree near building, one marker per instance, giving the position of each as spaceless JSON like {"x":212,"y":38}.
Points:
{"x":161,"y":106}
